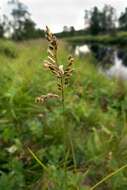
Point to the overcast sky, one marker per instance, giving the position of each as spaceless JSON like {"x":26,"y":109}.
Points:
{"x":57,"y":13}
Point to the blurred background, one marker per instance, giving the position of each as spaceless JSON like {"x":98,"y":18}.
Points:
{"x":61,"y":15}
{"x":42,"y":145}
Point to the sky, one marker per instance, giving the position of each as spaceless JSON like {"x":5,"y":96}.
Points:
{"x":59,"y":13}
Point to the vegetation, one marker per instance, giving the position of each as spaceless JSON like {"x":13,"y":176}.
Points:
{"x":20,"y":25}
{"x":37,"y":152}
{"x":119,"y":38}
{"x":103,"y":21}
{"x":123,"y":20}
{"x":100,"y":22}
{"x":8,"y":48}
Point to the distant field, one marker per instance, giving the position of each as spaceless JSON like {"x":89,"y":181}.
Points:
{"x":94,"y":141}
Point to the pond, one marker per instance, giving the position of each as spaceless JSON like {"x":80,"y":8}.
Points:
{"x":111,"y":60}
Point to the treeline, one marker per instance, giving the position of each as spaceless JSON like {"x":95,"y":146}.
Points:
{"x":20,"y":26}
{"x":105,"y":21}
{"x":96,"y":21}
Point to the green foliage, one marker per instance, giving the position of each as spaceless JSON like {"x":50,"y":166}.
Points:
{"x":119,"y":38}
{"x":22,"y":25}
{"x":1,"y":30}
{"x":95,"y":123}
{"x":123,"y":20}
{"x":8,"y":49}
{"x":101,"y":21}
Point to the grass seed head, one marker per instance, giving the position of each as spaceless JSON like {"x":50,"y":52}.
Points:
{"x":43,"y":98}
{"x":51,"y":64}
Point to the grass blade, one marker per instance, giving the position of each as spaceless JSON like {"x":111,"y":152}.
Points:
{"x":38,"y":160}
{"x":108,"y":176}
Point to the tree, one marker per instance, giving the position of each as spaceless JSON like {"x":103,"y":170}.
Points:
{"x":22,"y":25}
{"x":20,"y":14}
{"x":86,"y":18}
{"x":65,"y":29}
{"x":101,"y":21}
{"x":29,"y":29}
{"x":6,"y":26}
{"x":72,"y":31}
{"x":123,"y":20}
{"x":95,"y":21}
{"x":1,"y":28}
{"x":108,"y":19}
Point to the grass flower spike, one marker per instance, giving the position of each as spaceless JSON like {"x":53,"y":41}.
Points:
{"x":52,"y":64}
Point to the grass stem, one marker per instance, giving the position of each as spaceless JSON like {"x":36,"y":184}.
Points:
{"x":108,"y":177}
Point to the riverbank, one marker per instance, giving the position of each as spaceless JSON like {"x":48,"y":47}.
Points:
{"x":118,"y":38}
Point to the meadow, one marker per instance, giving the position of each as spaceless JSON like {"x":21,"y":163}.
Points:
{"x":41,"y":150}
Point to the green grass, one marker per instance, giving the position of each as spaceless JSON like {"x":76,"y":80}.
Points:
{"x":95,"y":121}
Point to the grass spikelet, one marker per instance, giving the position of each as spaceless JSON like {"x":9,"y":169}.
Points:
{"x":44,"y":98}
{"x":51,"y":64}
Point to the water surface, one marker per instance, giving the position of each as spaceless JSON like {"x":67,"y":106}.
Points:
{"x":111,"y":60}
